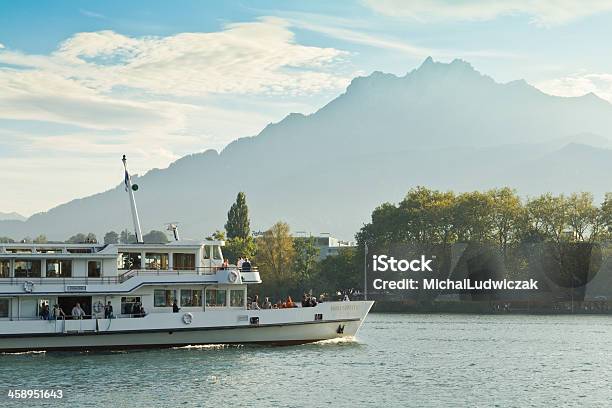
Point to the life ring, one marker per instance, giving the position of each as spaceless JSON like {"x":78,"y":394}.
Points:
{"x":233,"y":276}
{"x":98,"y":307}
{"x":187,"y":318}
{"x":28,"y":286}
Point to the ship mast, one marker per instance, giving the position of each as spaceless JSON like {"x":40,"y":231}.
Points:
{"x":130,"y":188}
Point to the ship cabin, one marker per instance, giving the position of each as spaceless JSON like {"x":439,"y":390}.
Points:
{"x":137,"y":279}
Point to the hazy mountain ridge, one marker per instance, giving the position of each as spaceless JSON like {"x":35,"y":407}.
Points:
{"x":12,"y":216}
{"x":440,"y":125}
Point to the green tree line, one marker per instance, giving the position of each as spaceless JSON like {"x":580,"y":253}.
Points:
{"x":496,"y":216}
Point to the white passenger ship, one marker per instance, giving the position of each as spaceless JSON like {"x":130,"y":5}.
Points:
{"x":141,"y":282}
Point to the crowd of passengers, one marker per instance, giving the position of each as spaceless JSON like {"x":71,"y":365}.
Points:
{"x":77,"y":312}
{"x":243,"y":264}
{"x":288,"y":303}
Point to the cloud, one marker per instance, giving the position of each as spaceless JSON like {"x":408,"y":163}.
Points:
{"x":245,"y":58}
{"x":578,"y":85}
{"x":545,"y":13}
{"x":385,"y":42}
{"x":106,"y":80}
{"x":102,"y":94}
{"x":93,"y":14}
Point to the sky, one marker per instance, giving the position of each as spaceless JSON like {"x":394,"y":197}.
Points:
{"x":84,"y":82}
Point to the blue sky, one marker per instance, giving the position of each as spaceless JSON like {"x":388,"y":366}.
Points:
{"x":82,"y":82}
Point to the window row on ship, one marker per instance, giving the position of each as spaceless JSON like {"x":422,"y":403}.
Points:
{"x":153,"y":300}
{"x":67,"y":268}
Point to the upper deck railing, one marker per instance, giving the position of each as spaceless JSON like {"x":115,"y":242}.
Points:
{"x":120,"y":278}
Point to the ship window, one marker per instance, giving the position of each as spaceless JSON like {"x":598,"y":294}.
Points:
{"x":215,"y":297}
{"x":4,"y":307}
{"x":80,"y":250}
{"x":163,"y":297}
{"x":19,"y":250}
{"x":156,"y":261}
{"x":128,"y":260}
{"x":217,"y":252}
{"x":94,"y":269}
{"x":59,"y":268}
{"x":27,"y":269}
{"x":5,"y":269}
{"x":191,"y":297}
{"x":49,"y":250}
{"x":128,"y":303}
{"x":237,"y":298}
{"x":184,"y":261}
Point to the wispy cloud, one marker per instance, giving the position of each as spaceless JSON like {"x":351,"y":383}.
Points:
{"x":545,"y":13}
{"x":256,"y":57}
{"x":578,"y":85}
{"x":93,"y":14}
{"x":365,"y":34}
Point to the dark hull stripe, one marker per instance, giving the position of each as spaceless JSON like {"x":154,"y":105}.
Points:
{"x":171,"y":330}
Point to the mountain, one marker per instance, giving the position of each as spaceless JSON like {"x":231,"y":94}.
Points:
{"x":445,"y":126}
{"x":11,"y":216}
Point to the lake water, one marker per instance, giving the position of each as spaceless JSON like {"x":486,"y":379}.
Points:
{"x":396,"y":361}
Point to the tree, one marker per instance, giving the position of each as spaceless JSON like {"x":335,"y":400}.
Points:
{"x":127,"y":237}
{"x":238,"y":247}
{"x":238,"y":224}
{"x":548,"y":217}
{"x":274,"y":257}
{"x":155,"y":237}
{"x":343,"y":272}
{"x":111,"y":237}
{"x":425,"y":216}
{"x":583,"y":216}
{"x":305,"y":262}
{"x":79,"y":238}
{"x":507,"y":217}
{"x":473,"y":217}
{"x":6,"y":240}
{"x":41,"y":239}
{"x":218,"y":235}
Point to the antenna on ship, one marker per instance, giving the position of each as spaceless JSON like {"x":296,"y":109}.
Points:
{"x":130,"y":188}
{"x":173,"y":226}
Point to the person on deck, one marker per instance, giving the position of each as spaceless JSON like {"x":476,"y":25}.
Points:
{"x":255,"y":303}
{"x":312,"y":302}
{"x":108,"y":310}
{"x":77,"y":311}
{"x":267,"y":304}
{"x":44,"y":313}
{"x":175,"y":308}
{"x":289,"y":303}
{"x":246,"y":265}
{"x":58,"y":312}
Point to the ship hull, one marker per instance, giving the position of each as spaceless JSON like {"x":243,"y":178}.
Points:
{"x":277,"y":327}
